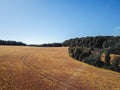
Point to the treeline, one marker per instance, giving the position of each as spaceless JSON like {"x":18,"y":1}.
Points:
{"x":15,"y":43}
{"x":51,"y":45}
{"x":94,"y":42}
{"x":48,"y":45}
{"x":91,"y":49}
{"x":12,"y":43}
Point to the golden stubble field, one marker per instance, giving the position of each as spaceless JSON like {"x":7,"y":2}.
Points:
{"x":34,"y":68}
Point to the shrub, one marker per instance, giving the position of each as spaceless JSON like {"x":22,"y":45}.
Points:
{"x":116,"y":62}
{"x":79,"y":53}
{"x":107,"y":52}
{"x":94,"y":60}
{"x":89,"y":50}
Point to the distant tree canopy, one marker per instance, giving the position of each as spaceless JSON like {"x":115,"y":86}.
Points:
{"x":94,"y":42}
{"x":12,"y":43}
{"x":52,"y":45}
{"x":90,"y":50}
{"x":48,"y":45}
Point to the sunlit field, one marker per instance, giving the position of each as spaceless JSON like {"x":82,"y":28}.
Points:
{"x":34,"y":68}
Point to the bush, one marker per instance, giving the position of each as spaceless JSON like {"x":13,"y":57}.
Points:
{"x":79,"y":53}
{"x":94,"y":61}
{"x":114,"y":68}
{"x":89,"y":50}
{"x":107,"y":52}
{"x":116,"y":62}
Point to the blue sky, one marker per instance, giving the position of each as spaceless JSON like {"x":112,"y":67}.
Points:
{"x":45,"y":21}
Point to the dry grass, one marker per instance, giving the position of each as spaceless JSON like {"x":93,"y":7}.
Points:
{"x":112,"y":57}
{"x":32,"y":68}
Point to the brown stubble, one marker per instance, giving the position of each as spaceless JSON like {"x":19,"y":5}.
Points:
{"x":34,"y":68}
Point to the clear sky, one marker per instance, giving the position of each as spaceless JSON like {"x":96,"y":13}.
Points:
{"x":45,"y":21}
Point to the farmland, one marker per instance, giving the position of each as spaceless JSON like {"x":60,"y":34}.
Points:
{"x":42,"y":68}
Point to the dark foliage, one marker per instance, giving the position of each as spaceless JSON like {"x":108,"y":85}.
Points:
{"x":95,"y":42}
{"x":79,"y":53}
{"x":85,"y":55}
{"x":48,"y":45}
{"x":89,"y":50}
{"x":94,"y":61}
{"x":12,"y":43}
{"x":52,"y":45}
{"x":115,"y":65}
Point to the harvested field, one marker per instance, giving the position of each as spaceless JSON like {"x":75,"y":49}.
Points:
{"x":34,"y":68}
